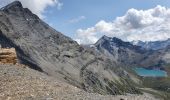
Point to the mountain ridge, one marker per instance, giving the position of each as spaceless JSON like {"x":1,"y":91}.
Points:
{"x":124,"y":53}
{"x":130,"y":55}
{"x":42,"y":48}
{"x":154,"y":45}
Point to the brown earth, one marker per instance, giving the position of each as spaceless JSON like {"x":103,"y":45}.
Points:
{"x":8,"y":56}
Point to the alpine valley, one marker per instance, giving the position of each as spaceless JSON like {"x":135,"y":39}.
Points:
{"x":51,"y":65}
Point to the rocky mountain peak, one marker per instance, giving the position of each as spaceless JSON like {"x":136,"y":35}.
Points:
{"x":105,"y":40}
{"x":102,"y":40}
{"x":104,"y":37}
{"x":120,"y":50}
{"x":13,"y":6}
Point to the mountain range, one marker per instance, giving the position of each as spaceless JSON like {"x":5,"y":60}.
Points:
{"x":42,"y":48}
{"x":128,"y":54}
{"x":102,"y":68}
{"x":154,"y":45}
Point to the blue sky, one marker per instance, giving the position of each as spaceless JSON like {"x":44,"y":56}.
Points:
{"x":94,"y":11}
{"x":87,"y":20}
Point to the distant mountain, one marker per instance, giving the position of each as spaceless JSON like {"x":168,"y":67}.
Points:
{"x":157,"y":58}
{"x":120,"y":51}
{"x":127,"y":54}
{"x":49,"y":51}
{"x":154,"y":45}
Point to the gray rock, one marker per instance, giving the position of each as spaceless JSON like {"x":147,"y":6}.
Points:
{"x":42,"y":48}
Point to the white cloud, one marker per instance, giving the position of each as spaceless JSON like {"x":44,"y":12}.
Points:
{"x":36,"y":6}
{"x":146,"y":25}
{"x":88,"y":36}
{"x":76,"y":20}
{"x":59,"y":5}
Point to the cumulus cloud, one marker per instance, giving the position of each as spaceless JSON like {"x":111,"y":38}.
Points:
{"x":76,"y":20}
{"x":36,"y":6}
{"x":146,"y":25}
{"x":86,"y":36}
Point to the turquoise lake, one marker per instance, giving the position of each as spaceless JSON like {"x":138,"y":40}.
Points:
{"x":150,"y":73}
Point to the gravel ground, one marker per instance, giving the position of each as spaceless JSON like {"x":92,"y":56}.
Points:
{"x":19,"y":82}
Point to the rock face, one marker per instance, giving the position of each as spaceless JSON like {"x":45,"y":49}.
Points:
{"x":8,"y":56}
{"x":47,"y":50}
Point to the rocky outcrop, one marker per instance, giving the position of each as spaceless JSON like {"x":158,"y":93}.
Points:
{"x":8,"y":56}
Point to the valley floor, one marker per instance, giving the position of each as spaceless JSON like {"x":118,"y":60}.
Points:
{"x":19,"y":82}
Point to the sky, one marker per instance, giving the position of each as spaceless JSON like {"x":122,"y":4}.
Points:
{"x":87,"y":20}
